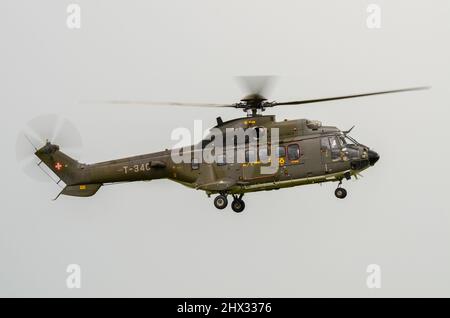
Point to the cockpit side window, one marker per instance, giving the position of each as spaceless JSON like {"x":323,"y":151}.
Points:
{"x":335,"y":148}
{"x":334,"y":142}
{"x":325,"y":144}
{"x":331,"y":145}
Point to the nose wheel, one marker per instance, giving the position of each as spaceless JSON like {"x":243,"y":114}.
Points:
{"x":340,"y":193}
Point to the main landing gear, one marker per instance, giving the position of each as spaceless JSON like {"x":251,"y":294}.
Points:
{"x":221,"y":202}
{"x":237,"y":205}
{"x":340,"y":193}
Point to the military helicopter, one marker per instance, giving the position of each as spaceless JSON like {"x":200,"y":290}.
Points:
{"x":306,"y":153}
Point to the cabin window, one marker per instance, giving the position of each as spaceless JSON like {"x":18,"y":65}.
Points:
{"x":221,"y":160}
{"x":195,"y":164}
{"x":208,"y":140}
{"x":263,"y":154}
{"x":257,"y":132}
{"x":281,"y":151}
{"x":293,"y":152}
{"x":250,"y":156}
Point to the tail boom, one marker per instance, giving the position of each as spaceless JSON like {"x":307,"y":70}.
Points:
{"x":83,"y":180}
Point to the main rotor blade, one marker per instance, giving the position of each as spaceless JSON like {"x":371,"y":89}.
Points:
{"x":259,"y":85}
{"x":153,"y":103}
{"x":309,"y":101}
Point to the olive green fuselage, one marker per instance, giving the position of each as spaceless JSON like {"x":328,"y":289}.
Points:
{"x":315,"y":163}
{"x":307,"y":154}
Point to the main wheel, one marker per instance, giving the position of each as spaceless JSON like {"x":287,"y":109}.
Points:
{"x":340,"y":193}
{"x":221,"y":202}
{"x":238,"y":205}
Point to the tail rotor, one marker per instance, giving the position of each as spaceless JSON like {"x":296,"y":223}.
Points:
{"x":36,"y":133}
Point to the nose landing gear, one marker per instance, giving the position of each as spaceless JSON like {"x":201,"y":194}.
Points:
{"x":340,"y":193}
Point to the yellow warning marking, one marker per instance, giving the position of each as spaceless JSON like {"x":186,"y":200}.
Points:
{"x":281,"y":161}
{"x":82,"y":187}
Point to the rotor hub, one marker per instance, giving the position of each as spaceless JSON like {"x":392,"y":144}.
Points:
{"x":253,"y":104}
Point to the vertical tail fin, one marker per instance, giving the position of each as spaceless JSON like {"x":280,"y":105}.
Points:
{"x":67,"y":169}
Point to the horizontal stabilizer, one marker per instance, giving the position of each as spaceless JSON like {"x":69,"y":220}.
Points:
{"x":82,"y":190}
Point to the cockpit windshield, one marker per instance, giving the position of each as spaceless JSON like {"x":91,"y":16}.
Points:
{"x":346,"y":140}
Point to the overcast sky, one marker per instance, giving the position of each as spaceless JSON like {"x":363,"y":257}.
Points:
{"x":159,"y":238}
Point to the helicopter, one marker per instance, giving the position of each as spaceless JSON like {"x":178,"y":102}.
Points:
{"x":304,"y":152}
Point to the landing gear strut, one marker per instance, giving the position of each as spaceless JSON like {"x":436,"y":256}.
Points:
{"x":238,"y":204}
{"x":221,"y":202}
{"x":340,"y":193}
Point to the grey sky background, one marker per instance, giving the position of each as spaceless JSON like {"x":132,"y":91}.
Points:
{"x":162,"y":239}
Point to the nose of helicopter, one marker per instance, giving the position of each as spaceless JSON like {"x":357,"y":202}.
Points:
{"x":373,"y":157}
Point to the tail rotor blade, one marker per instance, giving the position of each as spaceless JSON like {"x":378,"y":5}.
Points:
{"x":67,"y":135}
{"x":43,"y":126}
{"x":53,"y":128}
{"x":31,"y":169}
{"x":25,"y":146}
